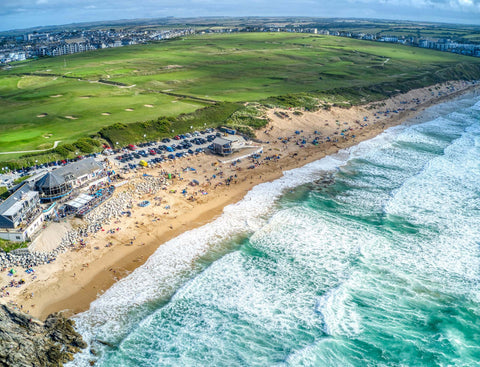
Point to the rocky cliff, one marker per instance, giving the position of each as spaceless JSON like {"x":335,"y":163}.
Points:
{"x":25,"y":341}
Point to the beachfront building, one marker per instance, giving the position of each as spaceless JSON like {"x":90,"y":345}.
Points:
{"x":20,"y":215}
{"x":60,"y":182}
{"x":222,"y":146}
{"x":228,"y":144}
{"x":52,"y":186}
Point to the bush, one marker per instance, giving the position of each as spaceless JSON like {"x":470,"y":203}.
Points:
{"x":8,"y":246}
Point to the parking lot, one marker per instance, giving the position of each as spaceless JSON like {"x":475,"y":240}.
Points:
{"x":183,"y":145}
{"x":129,"y":157}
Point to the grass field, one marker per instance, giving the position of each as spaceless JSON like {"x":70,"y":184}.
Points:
{"x":65,"y":93}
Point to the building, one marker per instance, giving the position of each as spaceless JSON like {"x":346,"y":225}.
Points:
{"x":60,"y":182}
{"x":20,"y":214}
{"x":52,"y":186}
{"x":222,"y":146}
{"x":228,"y":144}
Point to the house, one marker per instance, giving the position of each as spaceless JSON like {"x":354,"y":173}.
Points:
{"x":20,"y":214}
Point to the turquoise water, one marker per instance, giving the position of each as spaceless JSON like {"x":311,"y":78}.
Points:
{"x":370,"y":257}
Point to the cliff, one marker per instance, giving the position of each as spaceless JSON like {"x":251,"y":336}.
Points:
{"x":25,"y":341}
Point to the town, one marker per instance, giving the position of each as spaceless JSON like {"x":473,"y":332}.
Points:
{"x":39,"y":44}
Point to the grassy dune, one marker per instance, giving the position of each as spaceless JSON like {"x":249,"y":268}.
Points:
{"x":230,"y":68}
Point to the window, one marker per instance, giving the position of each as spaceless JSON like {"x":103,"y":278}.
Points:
{"x":18,"y":237}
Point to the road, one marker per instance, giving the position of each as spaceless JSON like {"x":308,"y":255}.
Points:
{"x":33,"y":151}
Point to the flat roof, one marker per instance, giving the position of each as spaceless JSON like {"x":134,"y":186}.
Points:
{"x":79,"y":201}
{"x":221,"y":141}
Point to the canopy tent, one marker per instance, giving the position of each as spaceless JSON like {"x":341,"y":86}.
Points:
{"x":79,"y":201}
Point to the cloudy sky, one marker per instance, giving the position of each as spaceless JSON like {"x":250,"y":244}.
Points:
{"x":16,"y":14}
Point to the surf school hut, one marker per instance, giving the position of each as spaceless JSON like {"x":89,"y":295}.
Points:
{"x":222,"y":146}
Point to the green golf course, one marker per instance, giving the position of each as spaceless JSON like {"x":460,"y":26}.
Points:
{"x":68,"y":98}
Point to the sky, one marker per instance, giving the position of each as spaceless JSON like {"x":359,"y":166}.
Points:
{"x":17,"y":14}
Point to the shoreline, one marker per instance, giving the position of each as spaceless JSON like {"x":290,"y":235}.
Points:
{"x":67,"y":284}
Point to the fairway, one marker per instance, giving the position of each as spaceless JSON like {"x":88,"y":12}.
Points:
{"x":62,"y":99}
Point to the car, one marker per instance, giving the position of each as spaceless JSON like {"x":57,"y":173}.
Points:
{"x":171,"y":156}
{"x":190,"y":151}
{"x":166,"y":140}
{"x":179,"y":154}
{"x":176,"y":137}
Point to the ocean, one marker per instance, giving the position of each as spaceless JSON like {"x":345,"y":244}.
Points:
{"x":370,"y":257}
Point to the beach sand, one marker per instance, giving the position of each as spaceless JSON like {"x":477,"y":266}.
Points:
{"x":79,"y":276}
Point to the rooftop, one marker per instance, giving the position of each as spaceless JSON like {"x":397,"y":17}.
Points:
{"x":18,"y":204}
{"x":80,"y":201}
{"x":79,"y":168}
{"x":15,"y":198}
{"x":51,"y":179}
{"x":222,"y":141}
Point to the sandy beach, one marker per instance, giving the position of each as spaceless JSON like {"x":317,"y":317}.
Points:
{"x":80,"y":275}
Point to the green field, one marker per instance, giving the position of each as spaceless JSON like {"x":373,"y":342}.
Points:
{"x":183,"y":75}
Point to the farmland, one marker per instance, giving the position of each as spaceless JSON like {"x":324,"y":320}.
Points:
{"x":67,"y":98}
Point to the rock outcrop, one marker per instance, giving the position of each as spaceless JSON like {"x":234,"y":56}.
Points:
{"x":26,"y":341}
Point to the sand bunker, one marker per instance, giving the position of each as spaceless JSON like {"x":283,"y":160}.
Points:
{"x":129,"y":109}
{"x":42,"y":115}
{"x":148,"y":105}
{"x":56,"y":96}
{"x":106,"y":113}
{"x":71,"y":117}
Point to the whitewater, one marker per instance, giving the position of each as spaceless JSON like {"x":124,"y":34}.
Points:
{"x":367,"y":257}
